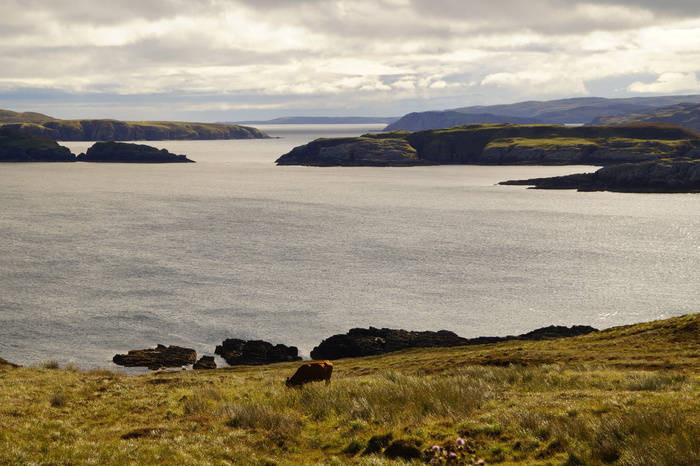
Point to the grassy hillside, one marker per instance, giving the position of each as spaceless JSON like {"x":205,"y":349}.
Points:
{"x":628,"y":395}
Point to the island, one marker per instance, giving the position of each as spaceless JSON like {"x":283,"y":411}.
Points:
{"x":124,"y":152}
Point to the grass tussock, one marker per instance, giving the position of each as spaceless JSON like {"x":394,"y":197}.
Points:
{"x":396,"y":409}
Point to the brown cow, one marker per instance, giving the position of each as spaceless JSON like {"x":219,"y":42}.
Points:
{"x":311,"y":372}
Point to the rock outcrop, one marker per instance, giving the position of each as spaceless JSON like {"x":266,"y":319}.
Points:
{"x":160,"y":357}
{"x":205,"y":362}
{"x":680,"y":175}
{"x":238,"y":352}
{"x":360,"y":342}
{"x":123,"y":152}
{"x":17,"y":146}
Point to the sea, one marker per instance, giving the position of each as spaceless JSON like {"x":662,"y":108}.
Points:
{"x":98,"y":259}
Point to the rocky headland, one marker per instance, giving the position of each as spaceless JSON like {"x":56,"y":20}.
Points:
{"x":680,"y":175}
{"x":502,"y":144}
{"x":124,"y":152}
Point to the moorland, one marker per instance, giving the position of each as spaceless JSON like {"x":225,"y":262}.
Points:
{"x":625,"y":395}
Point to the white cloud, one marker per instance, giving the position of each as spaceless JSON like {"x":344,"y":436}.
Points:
{"x":668,"y":83}
{"x":406,"y":55}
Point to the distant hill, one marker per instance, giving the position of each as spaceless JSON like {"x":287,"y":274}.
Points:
{"x":686,"y":114}
{"x":564,"y":111}
{"x":116,"y":130}
{"x":301,"y":120}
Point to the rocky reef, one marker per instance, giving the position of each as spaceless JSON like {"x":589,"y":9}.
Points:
{"x":503,"y":144}
{"x":123,"y":152}
{"x":360,"y":342}
{"x":17,"y":146}
{"x":680,"y":175}
{"x":156,"y":358}
{"x":238,"y":352}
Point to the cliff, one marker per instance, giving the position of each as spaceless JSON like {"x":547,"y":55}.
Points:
{"x":502,"y":144}
{"x":17,"y":146}
{"x":681,"y":175}
{"x":116,"y":130}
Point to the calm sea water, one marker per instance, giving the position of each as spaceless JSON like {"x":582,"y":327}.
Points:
{"x":98,"y":259}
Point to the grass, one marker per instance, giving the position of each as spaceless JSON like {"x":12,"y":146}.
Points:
{"x":627,"y":396}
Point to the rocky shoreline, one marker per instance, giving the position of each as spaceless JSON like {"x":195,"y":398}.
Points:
{"x":357,"y":342}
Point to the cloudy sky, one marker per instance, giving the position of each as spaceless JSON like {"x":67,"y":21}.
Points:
{"x":214,"y":60}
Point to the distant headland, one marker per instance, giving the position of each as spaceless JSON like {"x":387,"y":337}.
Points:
{"x":116,"y":130}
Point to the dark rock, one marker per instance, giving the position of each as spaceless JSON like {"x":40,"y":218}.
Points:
{"x":205,"y":362}
{"x":360,"y":342}
{"x":255,"y":352}
{"x":372,"y":341}
{"x":159,"y":357}
{"x":123,"y":152}
{"x":18,"y":146}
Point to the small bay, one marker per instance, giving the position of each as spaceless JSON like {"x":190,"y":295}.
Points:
{"x":97,"y":259}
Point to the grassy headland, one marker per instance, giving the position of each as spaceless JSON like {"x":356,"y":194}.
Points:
{"x":627,"y":395}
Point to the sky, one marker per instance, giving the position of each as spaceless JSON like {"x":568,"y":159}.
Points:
{"x":236,"y":60}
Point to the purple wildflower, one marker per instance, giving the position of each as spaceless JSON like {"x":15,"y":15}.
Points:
{"x":452,"y":455}
{"x":436,"y":448}
{"x":460,"y":441}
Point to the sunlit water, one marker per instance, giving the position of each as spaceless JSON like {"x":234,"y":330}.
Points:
{"x":98,"y":259}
